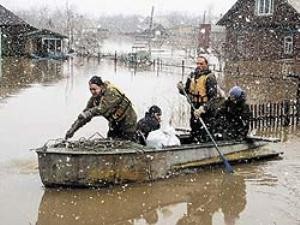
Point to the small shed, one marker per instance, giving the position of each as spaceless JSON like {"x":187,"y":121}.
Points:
{"x":45,"y":42}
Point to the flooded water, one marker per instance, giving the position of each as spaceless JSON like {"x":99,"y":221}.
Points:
{"x":40,"y":100}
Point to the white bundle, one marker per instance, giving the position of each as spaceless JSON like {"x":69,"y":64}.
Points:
{"x":162,"y":137}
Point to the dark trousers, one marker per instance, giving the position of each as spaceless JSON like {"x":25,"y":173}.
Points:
{"x":118,"y":130}
{"x":198,"y":132}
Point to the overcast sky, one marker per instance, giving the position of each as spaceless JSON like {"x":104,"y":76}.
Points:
{"x":143,"y":7}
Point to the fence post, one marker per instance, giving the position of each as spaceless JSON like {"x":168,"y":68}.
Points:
{"x":255,"y":116}
{"x":293,"y":105}
{"x":274,"y":114}
{"x":263,"y":114}
{"x":298,"y":109}
{"x":270,"y":114}
{"x":182,"y":68}
{"x":286,"y":112}
{"x":252,"y":117}
{"x":115,"y":58}
{"x":282,"y":113}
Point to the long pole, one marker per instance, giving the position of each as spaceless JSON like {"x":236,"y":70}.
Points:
{"x":228,"y":167}
{"x":0,"y":52}
{"x":0,"y":43}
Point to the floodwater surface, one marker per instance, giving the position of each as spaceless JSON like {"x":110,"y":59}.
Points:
{"x":40,"y":100}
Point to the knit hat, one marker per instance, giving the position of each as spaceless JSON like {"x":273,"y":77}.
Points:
{"x":237,"y":93}
{"x":96,"y":80}
{"x":155,"y":109}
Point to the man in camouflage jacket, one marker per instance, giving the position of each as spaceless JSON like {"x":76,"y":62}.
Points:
{"x":108,"y":101}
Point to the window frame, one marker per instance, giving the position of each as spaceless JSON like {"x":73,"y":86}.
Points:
{"x":264,"y":12}
{"x":288,"y":46}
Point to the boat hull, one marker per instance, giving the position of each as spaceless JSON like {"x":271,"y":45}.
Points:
{"x":62,"y":167}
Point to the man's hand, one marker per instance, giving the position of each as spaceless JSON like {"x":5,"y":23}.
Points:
{"x":180,"y":86}
{"x":69,"y":134}
{"x":199,"y":111}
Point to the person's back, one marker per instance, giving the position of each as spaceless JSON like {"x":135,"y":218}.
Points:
{"x":232,"y":119}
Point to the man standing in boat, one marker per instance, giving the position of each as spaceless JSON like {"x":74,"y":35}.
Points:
{"x":201,"y":88}
{"x":108,"y":101}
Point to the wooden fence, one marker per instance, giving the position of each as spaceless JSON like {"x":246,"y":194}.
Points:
{"x":285,"y":113}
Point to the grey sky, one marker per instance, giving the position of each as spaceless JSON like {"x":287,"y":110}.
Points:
{"x":96,"y":7}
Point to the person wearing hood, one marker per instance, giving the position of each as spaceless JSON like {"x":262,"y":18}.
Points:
{"x":150,"y":122}
{"x":233,"y":117}
{"x":201,"y":88}
{"x":111,"y":103}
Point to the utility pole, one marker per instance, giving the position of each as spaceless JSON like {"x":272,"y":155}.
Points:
{"x":70,"y":28}
{"x":150,"y":29}
{"x":0,"y":51}
{"x":0,"y":43}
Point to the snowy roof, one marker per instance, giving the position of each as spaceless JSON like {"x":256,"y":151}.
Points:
{"x":45,"y":32}
{"x":9,"y":18}
{"x":295,"y":4}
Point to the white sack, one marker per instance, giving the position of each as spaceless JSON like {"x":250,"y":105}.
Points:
{"x":162,"y":137}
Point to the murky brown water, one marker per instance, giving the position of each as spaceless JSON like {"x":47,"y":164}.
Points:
{"x":39,"y":101}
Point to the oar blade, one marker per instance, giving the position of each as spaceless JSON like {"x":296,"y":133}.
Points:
{"x":228,"y":167}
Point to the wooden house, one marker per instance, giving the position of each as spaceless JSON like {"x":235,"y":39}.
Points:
{"x":263,"y":30}
{"x":18,"y":38}
{"x":12,"y":30}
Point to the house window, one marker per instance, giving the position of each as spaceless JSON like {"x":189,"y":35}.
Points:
{"x":265,"y":7}
{"x":288,"y":45}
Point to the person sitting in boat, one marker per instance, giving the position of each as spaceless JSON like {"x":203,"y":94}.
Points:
{"x":201,"y":88}
{"x":149,"y":123}
{"x":233,"y":117}
{"x":108,"y":101}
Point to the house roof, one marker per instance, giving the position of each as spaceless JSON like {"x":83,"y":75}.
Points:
{"x":295,"y":4}
{"x":45,"y":32}
{"x":231,"y":11}
{"x":9,"y":18}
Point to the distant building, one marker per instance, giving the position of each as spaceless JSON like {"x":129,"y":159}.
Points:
{"x":156,"y":37}
{"x":204,"y":41}
{"x":88,"y":40}
{"x":184,"y":36}
{"x":262,"y":30}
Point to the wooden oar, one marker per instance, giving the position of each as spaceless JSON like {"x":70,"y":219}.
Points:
{"x":228,"y":167}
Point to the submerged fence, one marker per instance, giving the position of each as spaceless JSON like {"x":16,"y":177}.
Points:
{"x":284,"y":113}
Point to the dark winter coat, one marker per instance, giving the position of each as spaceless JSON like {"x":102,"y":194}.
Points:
{"x":232,"y":120}
{"x":146,"y":125}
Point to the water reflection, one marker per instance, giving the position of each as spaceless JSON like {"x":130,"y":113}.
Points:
{"x":20,"y":73}
{"x":192,"y":199}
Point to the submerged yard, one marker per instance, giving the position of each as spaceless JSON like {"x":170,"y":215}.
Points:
{"x":40,"y":99}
